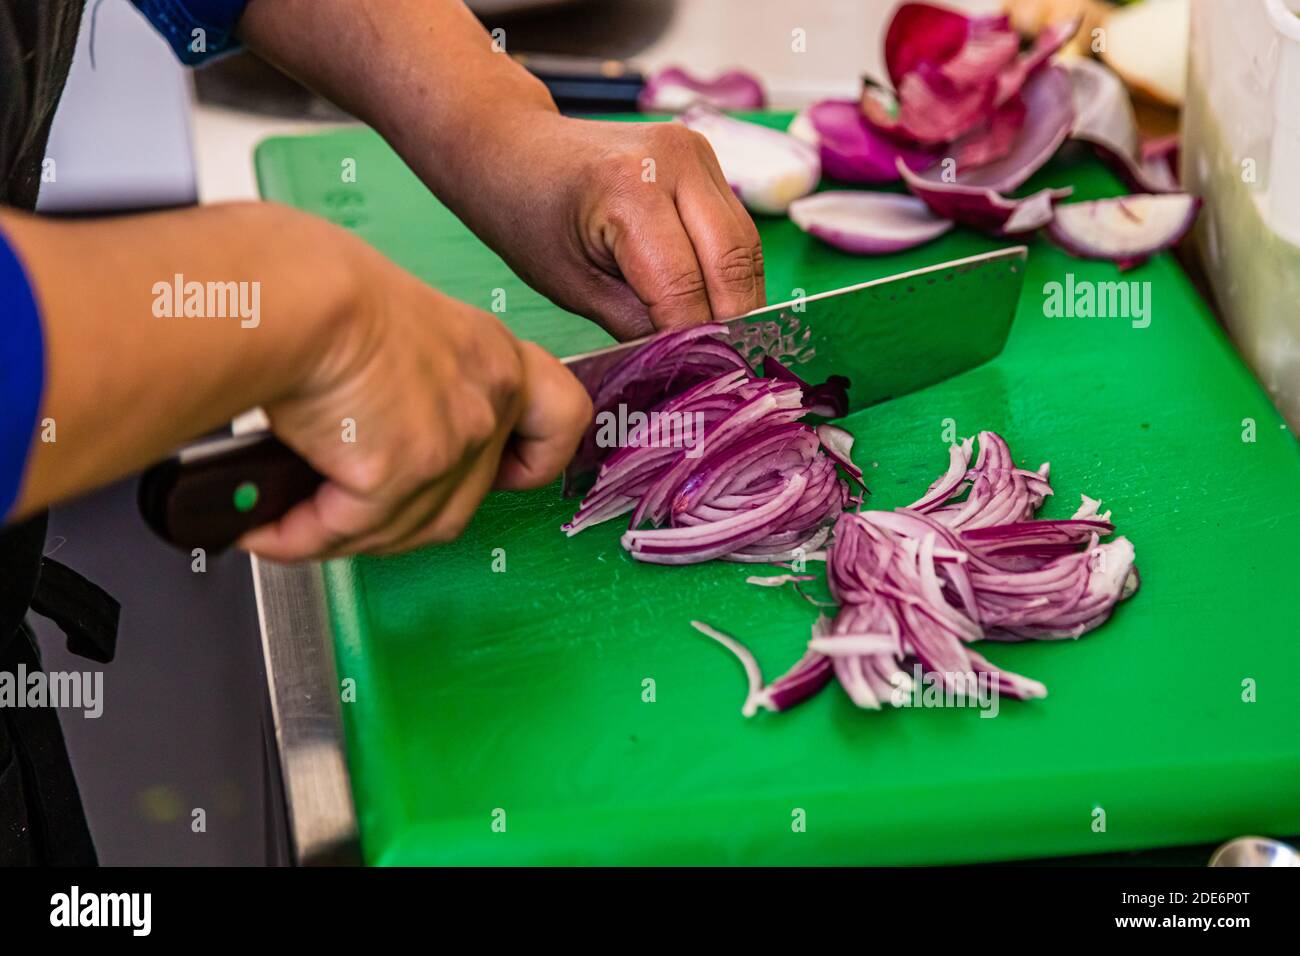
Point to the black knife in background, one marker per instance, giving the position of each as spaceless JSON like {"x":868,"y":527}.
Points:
{"x":581,"y":85}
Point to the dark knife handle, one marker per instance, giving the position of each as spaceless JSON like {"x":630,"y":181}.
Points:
{"x":210,"y":493}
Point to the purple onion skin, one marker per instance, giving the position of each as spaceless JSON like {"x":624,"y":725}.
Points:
{"x":732,"y":90}
{"x":853,"y":152}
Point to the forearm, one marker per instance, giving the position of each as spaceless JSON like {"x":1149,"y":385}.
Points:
{"x":423,"y":73}
{"x":129,"y":375}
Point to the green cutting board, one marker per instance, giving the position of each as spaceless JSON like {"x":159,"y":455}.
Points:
{"x":563,"y":710}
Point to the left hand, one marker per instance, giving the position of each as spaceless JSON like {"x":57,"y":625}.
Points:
{"x":630,"y":224}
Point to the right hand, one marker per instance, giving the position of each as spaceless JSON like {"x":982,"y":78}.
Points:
{"x":446,"y":403}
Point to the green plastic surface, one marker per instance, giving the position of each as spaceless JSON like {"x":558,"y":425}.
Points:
{"x":486,"y":697}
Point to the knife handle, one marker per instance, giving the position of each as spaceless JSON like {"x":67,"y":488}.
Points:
{"x":212,"y":492}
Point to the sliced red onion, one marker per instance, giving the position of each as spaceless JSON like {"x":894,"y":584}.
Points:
{"x":944,"y":572}
{"x":922,"y":33}
{"x":868,"y":223}
{"x":830,"y":399}
{"x":1046,"y":45}
{"x":838,"y":445}
{"x":1048,"y":119}
{"x":994,"y":140}
{"x":960,"y":77}
{"x":850,"y":149}
{"x":809,"y":674}
{"x":778,"y":580}
{"x":982,"y":208}
{"x":933,"y":108}
{"x":753,"y":673}
{"x":673,"y":90}
{"x":725,"y":494}
{"x":1104,"y":117}
{"x":1126,"y":229}
{"x":767,"y":169}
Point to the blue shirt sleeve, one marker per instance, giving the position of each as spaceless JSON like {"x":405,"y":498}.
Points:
{"x":196,"y":30}
{"x":22,"y":374}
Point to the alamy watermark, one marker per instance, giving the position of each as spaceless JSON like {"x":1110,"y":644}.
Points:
{"x":208,"y":300}
{"x":620,"y":428}
{"x":937,"y":689}
{"x":78,"y":908}
{"x":1085,"y":299}
{"x":65,"y":690}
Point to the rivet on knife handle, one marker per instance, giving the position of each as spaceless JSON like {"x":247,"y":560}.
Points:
{"x":211,"y":493}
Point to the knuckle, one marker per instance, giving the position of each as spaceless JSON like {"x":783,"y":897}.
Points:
{"x":447,"y":527}
{"x":504,"y":376}
{"x":735,"y":268}
{"x":683,"y":288}
{"x":372,"y":475}
{"x":476,"y":423}
{"x":432,"y":458}
{"x":576,"y":411}
{"x":615,"y":175}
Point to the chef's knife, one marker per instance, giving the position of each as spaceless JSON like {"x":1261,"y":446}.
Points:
{"x":889,"y":337}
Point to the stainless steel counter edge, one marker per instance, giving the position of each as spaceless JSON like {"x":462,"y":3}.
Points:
{"x":302,"y":681}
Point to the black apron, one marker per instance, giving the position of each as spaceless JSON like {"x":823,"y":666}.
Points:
{"x":41,"y":817}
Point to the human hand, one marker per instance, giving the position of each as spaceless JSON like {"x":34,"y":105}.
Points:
{"x":416,"y":408}
{"x":630,"y":224}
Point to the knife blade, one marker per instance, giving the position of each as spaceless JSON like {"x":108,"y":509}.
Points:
{"x":889,"y":336}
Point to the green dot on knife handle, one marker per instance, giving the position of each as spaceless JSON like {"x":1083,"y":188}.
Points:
{"x":245,"y":496}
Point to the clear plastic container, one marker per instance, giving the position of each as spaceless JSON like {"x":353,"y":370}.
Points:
{"x":1241,"y":153}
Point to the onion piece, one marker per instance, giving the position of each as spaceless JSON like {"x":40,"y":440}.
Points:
{"x":868,"y":223}
{"x":1105,"y":119}
{"x":778,"y":580}
{"x":674,"y":89}
{"x":809,"y":674}
{"x":838,"y":445}
{"x":850,"y":149}
{"x":766,"y":168}
{"x":753,"y":673}
{"x":1126,"y":229}
{"x":1047,"y":44}
{"x":923,"y":33}
{"x":829,"y":399}
{"x":1048,"y":120}
{"x":983,"y":208}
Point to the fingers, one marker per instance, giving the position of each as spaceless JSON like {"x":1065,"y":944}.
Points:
{"x":656,"y":257}
{"x":728,"y":248}
{"x":748,"y":230}
{"x":683,"y":243}
{"x":556,"y":414}
{"x":320,"y":526}
{"x":555,"y":411}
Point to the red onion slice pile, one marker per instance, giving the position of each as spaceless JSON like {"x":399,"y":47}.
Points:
{"x":673,"y":89}
{"x":724,"y":469}
{"x":1126,"y":229}
{"x":987,"y":117}
{"x":920,"y":584}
